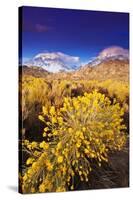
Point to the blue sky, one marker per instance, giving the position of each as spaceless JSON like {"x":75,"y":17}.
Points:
{"x":73,"y":32}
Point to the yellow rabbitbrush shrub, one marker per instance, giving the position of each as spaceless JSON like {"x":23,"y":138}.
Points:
{"x":85,"y":130}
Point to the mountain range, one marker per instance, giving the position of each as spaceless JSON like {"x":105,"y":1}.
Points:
{"x":59,"y":62}
{"x":111,"y":63}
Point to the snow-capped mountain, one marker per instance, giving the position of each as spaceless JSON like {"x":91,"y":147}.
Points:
{"x":111,"y":53}
{"x":54,"y":62}
{"x":58,"y":61}
{"x":111,"y":63}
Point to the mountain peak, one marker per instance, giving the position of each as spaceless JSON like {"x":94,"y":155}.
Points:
{"x":114,"y":51}
{"x":54,"y":61}
{"x":110,"y":53}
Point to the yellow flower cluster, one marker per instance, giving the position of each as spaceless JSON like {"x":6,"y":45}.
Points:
{"x":84,"y":130}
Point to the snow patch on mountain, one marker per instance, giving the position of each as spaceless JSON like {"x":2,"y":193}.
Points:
{"x":114,"y":51}
{"x":110,"y":53}
{"x":54,"y":61}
